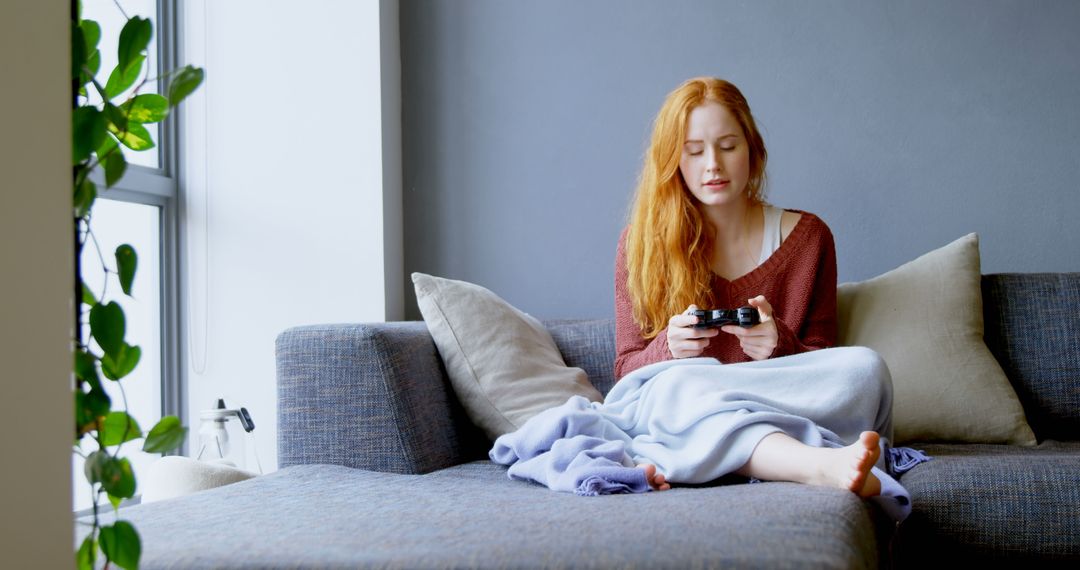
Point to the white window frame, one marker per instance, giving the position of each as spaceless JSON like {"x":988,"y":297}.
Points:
{"x":160,"y":187}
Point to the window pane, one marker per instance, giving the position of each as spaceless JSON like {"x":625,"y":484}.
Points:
{"x":115,"y":223}
{"x":111,"y":20}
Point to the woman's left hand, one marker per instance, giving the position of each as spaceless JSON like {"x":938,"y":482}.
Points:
{"x":758,"y":341}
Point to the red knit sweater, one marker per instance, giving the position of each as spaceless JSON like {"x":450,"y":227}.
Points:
{"x":798,"y":280}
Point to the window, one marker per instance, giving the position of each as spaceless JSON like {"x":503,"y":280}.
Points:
{"x":140,"y":210}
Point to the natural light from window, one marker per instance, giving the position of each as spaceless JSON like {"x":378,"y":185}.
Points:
{"x":115,"y":223}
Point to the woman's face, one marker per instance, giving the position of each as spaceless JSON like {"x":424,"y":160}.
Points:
{"x":715,"y":161}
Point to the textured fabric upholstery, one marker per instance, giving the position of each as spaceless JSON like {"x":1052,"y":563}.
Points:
{"x":369,"y":396}
{"x":981,"y":503}
{"x":588,"y":345}
{"x":376,"y":397}
{"x":1033,"y":328}
{"x":473,"y":516}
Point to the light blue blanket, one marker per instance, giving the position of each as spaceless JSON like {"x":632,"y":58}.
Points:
{"x":697,"y":420}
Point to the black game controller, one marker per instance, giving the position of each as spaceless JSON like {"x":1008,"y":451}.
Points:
{"x":709,"y":318}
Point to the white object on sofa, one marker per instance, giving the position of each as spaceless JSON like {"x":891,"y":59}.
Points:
{"x":503,"y":364}
{"x":175,"y":476}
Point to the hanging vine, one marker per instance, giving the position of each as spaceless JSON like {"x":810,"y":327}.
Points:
{"x":98,"y":131}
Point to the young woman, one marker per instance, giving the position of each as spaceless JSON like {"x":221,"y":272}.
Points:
{"x":702,"y":236}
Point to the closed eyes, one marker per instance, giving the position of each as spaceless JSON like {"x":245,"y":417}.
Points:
{"x":723,"y":148}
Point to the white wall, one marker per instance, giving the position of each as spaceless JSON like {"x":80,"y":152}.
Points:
{"x":36,"y":315}
{"x":286,"y":190}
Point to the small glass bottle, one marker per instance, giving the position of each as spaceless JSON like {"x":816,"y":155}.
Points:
{"x":221,"y":440}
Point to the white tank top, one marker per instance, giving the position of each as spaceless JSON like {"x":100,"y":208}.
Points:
{"x":770,"y":241}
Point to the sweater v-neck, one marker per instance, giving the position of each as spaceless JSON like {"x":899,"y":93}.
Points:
{"x":778,"y":258}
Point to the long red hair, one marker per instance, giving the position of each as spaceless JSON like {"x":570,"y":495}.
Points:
{"x":669,"y":244}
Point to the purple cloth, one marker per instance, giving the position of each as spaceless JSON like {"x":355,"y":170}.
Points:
{"x":570,"y":449}
{"x":903,"y":459}
{"x":697,"y":420}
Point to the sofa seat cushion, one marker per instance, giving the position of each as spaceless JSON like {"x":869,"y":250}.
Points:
{"x":994,"y":502}
{"x":472,"y":515}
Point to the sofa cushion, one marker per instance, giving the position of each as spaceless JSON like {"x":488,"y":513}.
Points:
{"x":588,"y":344}
{"x":980,"y":503}
{"x":925,"y":319}
{"x":473,"y":516}
{"x":503,"y":364}
{"x":370,"y":396}
{"x":1033,"y":328}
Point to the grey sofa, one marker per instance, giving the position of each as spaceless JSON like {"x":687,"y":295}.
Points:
{"x":381,"y":468}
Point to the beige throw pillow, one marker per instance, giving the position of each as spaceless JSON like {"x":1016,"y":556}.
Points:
{"x":925,"y":319}
{"x":503,"y":364}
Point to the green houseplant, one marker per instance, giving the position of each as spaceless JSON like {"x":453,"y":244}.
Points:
{"x":98,"y":131}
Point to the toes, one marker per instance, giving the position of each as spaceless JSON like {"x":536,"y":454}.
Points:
{"x":871,"y":449}
{"x":871,"y":441}
{"x":871,"y":487}
{"x":865,"y":454}
{"x":858,"y":481}
{"x":656,"y":480}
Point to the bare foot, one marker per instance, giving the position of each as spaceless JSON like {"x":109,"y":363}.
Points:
{"x":780,"y":457}
{"x":656,"y":480}
{"x":851,"y":469}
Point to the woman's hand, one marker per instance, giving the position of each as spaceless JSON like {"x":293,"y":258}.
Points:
{"x":758,"y":341}
{"x":684,"y":341}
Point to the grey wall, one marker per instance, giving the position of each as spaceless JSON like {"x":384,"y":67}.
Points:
{"x":903,"y":125}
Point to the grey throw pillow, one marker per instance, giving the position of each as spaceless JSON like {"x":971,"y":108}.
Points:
{"x":503,"y":364}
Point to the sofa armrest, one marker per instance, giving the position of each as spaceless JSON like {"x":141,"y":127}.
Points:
{"x":369,"y":396}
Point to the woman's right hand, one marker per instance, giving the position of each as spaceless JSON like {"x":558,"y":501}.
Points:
{"x":685,"y":341}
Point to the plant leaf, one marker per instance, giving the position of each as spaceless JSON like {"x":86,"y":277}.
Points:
{"x":78,"y":50}
{"x":124,"y":487}
{"x":88,"y":408}
{"x":91,"y":33}
{"x":185,"y":82}
{"x":88,"y":132}
{"x":116,"y":116}
{"x":136,"y":137}
{"x":122,"y":79}
{"x":88,"y":295}
{"x":93,"y":65}
{"x":98,"y":402}
{"x":146,"y":108}
{"x":133,"y":40}
{"x":115,"y":475}
{"x":85,"y":558}
{"x":107,"y":326}
{"x":114,"y":500}
{"x":86,"y":367}
{"x":167,"y":435}
{"x":115,"y":167}
{"x":126,"y":262}
{"x":109,"y":143}
{"x":121,"y":544}
{"x":96,"y":466}
{"x":118,"y":365}
{"x":84,"y":198}
{"x":118,"y":428}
